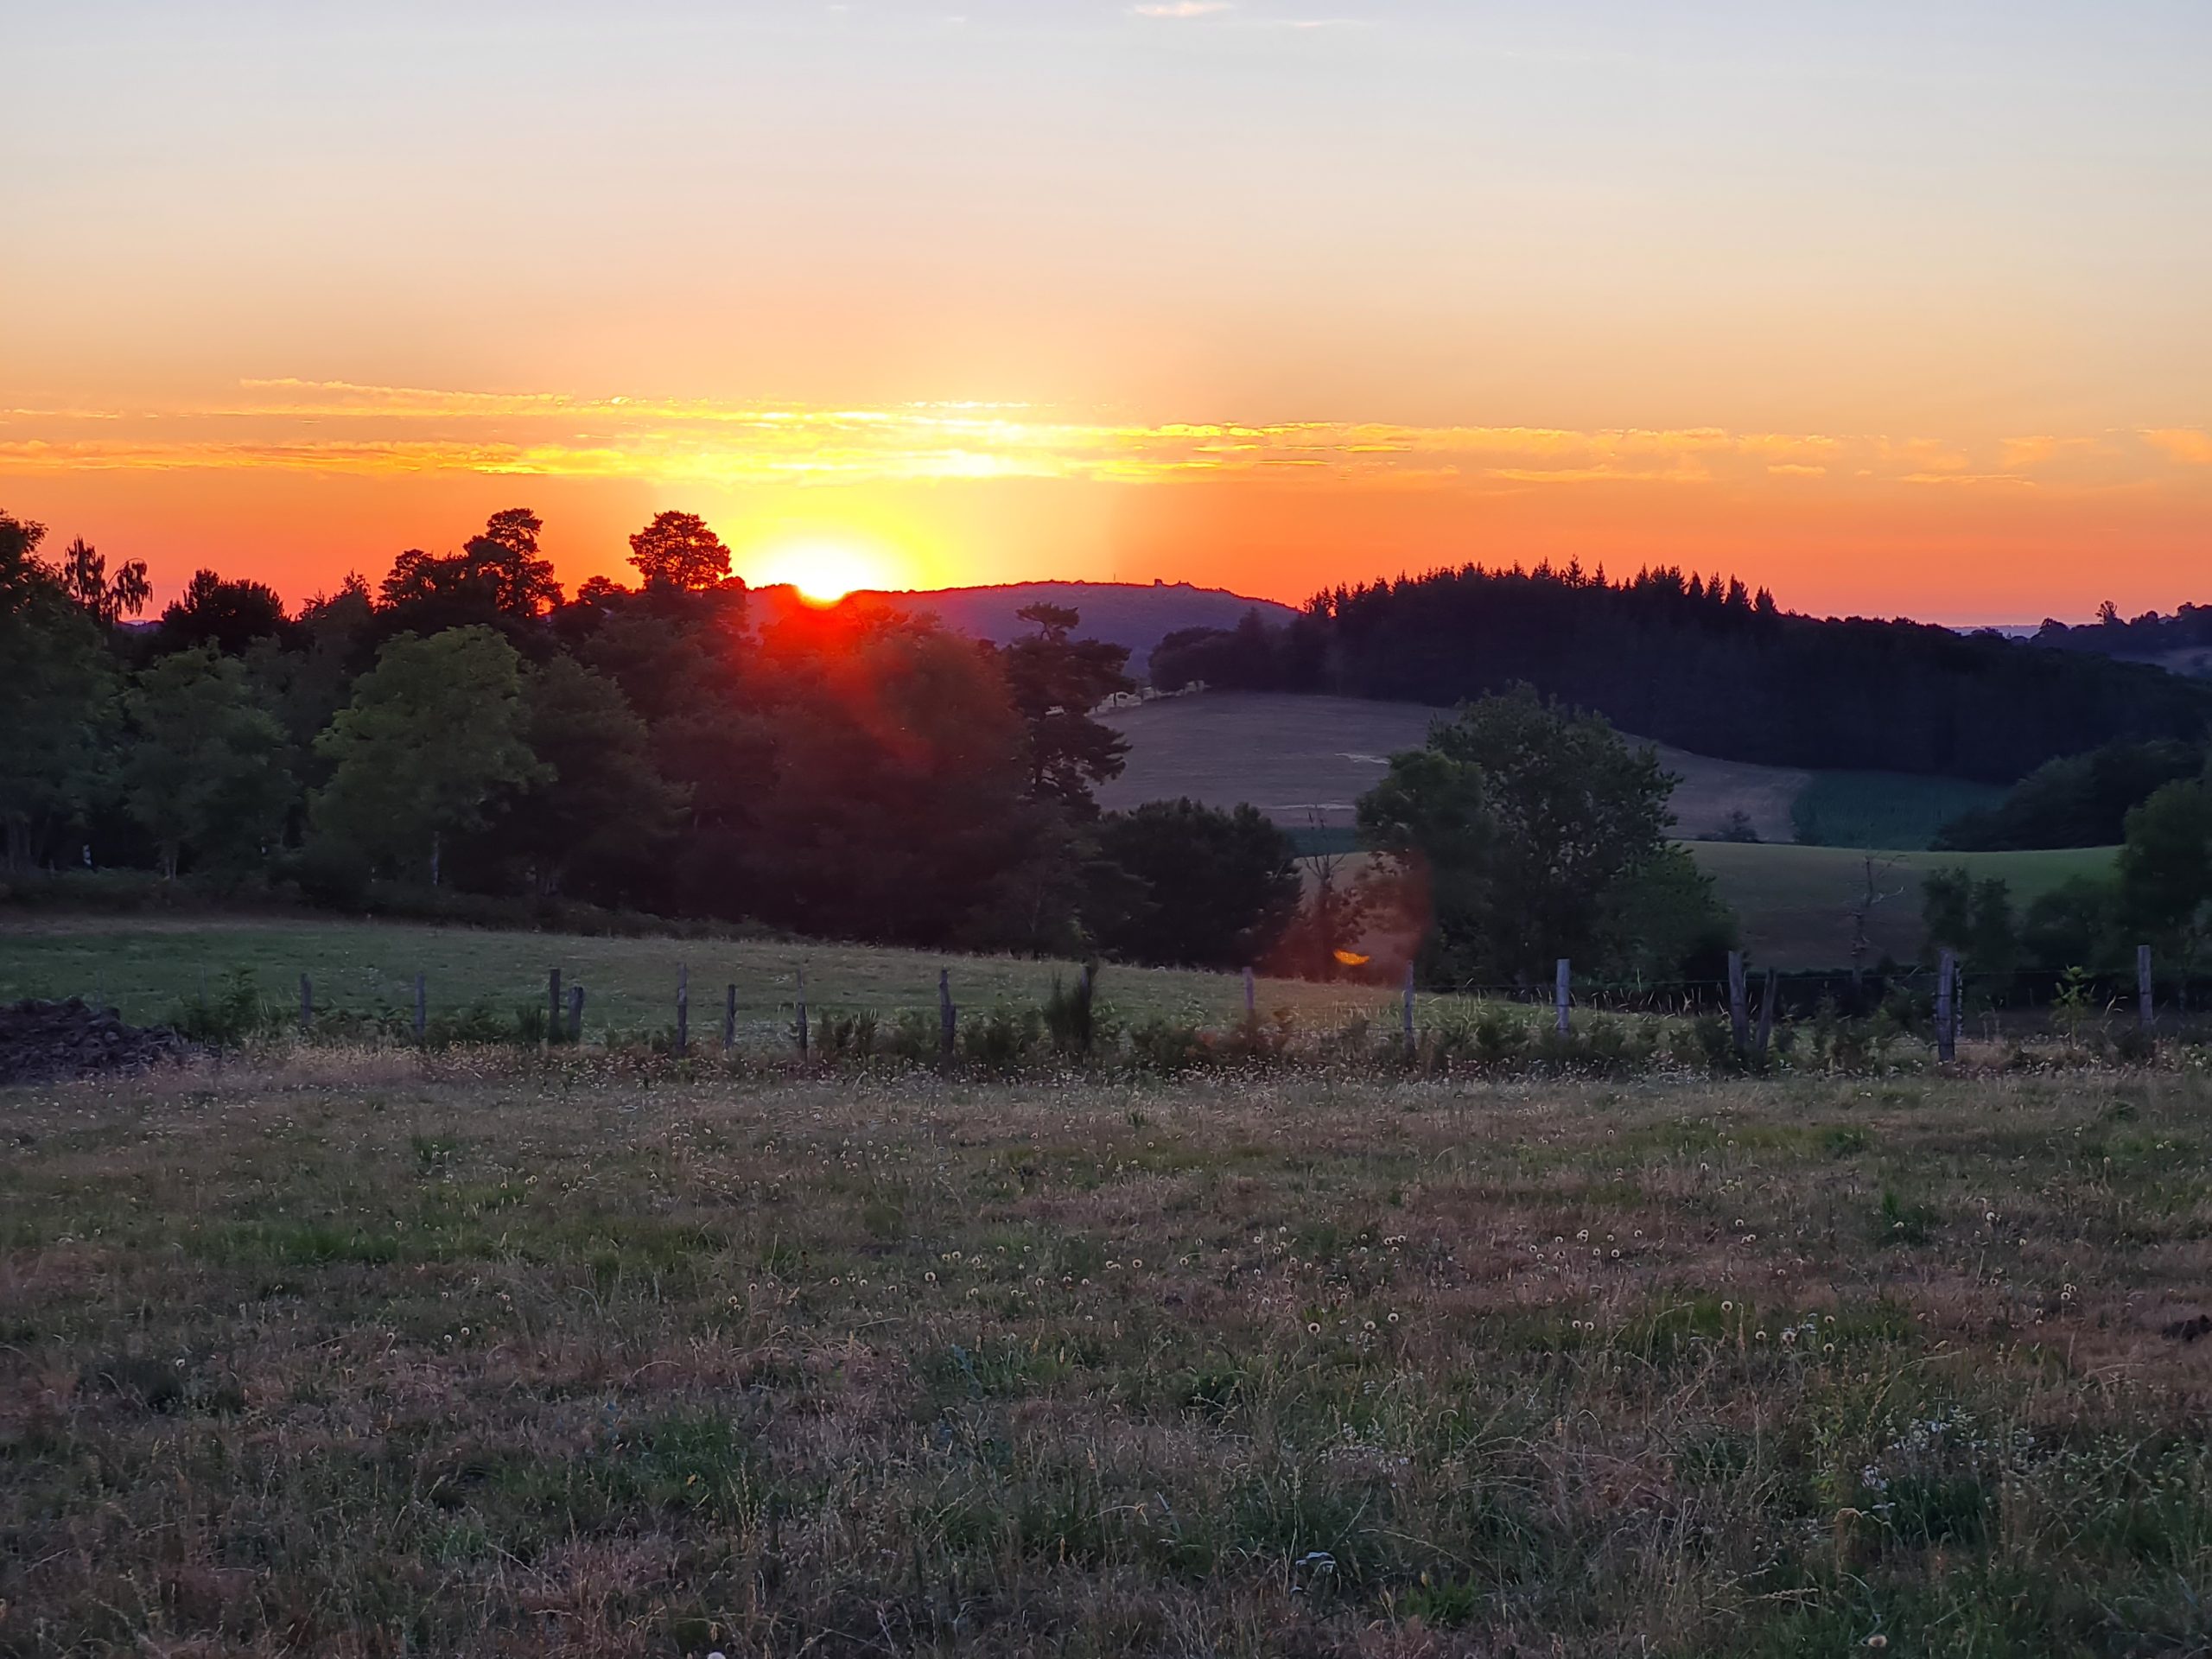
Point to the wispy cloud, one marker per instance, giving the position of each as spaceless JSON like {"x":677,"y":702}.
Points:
{"x":1180,"y":8}
{"x":342,"y":427}
{"x":2185,"y":443}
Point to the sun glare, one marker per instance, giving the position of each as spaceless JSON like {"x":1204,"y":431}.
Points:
{"x":823,"y":572}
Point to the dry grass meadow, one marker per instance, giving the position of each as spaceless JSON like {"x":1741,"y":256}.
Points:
{"x":382,"y":1352}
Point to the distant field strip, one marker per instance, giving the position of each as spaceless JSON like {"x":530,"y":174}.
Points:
{"x":1795,"y":903}
{"x":1294,"y":756}
{"x":143,"y":967}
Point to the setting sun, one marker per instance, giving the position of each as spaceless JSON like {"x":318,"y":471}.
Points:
{"x":822,"y":571}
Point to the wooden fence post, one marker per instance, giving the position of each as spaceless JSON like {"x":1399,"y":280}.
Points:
{"x":1739,"y":1006}
{"x":682,"y":1009}
{"x":306,"y":1004}
{"x":2146,"y":1010}
{"x":1408,"y":1018}
{"x":1766,"y":1014}
{"x":422,"y":1008}
{"x":553,"y":1005}
{"x":802,"y":1014}
{"x":1947,"y":1030}
{"x":729,"y":1018}
{"x":1560,"y":977}
{"x":947,"y":1017}
{"x":576,"y":1014}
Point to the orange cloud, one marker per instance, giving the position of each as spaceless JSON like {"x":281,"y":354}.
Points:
{"x":2190,"y":445}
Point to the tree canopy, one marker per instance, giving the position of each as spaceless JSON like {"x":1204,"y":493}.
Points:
{"x":204,"y":773}
{"x":1527,"y":825}
{"x":1215,"y":889}
{"x":677,"y":550}
{"x":432,"y":732}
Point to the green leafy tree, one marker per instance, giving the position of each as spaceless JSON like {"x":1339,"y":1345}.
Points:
{"x":58,"y":688}
{"x":1056,"y":681}
{"x":433,"y":732}
{"x":205,"y":773}
{"x":1973,"y":918}
{"x":2165,"y":866}
{"x":1670,"y":920}
{"x":1217,"y":889}
{"x":2075,"y":924}
{"x":1522,"y":822}
{"x":677,"y":550}
{"x":602,"y":810}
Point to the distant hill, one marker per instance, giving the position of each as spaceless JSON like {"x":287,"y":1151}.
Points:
{"x":2181,"y":642}
{"x":1125,"y":613}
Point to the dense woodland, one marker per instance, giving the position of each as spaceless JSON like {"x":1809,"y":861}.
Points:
{"x":465,"y":725}
{"x":2188,"y":629}
{"x":1707,"y":664}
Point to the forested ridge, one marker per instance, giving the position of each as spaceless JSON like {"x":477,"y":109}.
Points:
{"x":1706,"y":664}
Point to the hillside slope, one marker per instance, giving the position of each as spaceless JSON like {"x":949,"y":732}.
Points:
{"x":1296,"y":756}
{"x":1123,"y":614}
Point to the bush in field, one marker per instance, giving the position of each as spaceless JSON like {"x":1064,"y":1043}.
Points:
{"x":233,"y":1015}
{"x":1071,"y":1013}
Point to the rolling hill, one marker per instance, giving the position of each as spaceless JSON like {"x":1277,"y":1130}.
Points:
{"x":1124,"y":614}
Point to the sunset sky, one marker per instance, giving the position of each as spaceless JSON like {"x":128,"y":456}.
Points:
{"x":1897,"y":309}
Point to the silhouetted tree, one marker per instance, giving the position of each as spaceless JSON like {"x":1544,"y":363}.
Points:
{"x":227,"y":614}
{"x":83,"y":573}
{"x":497,"y":576}
{"x":677,"y":550}
{"x":1056,"y":680}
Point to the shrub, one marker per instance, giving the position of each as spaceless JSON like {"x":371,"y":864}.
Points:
{"x":234,"y":1015}
{"x":1070,"y":1014}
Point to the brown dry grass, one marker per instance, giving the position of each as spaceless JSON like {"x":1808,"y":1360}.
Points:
{"x":378,"y":1353}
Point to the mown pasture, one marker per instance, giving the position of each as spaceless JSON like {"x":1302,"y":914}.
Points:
{"x":374,"y":1351}
{"x":1796,"y":904}
{"x":144,"y":967}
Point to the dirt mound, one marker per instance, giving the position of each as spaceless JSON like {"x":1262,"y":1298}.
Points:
{"x":44,"y":1042}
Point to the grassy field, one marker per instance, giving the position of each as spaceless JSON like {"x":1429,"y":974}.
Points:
{"x":1883,"y":809}
{"x":381,"y":1353}
{"x":1295,"y":756}
{"x":144,"y":966}
{"x":1795,"y":902}
{"x":1292,"y":756}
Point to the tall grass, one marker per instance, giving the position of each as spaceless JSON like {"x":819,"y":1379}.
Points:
{"x":545,"y":1355}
